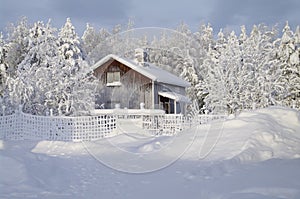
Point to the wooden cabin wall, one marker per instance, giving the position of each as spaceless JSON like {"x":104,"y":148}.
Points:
{"x":135,"y":87}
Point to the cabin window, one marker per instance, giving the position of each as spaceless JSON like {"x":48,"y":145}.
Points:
{"x":113,"y":78}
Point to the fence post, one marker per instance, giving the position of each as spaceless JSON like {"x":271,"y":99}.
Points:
{"x":294,"y":104}
{"x":20,"y":108}
{"x":253,"y":106}
{"x":18,"y":123}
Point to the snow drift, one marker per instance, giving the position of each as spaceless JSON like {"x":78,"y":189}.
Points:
{"x":272,"y":133}
{"x":254,"y":155}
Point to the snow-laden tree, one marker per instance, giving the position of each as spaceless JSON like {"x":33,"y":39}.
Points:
{"x":99,"y":45}
{"x":16,"y":45}
{"x":296,"y":62}
{"x":114,"y":42}
{"x":251,"y":60}
{"x":69,"y":45}
{"x":13,"y":50}
{"x":288,"y":55}
{"x":2,"y":64}
{"x":213,"y":79}
{"x":31,"y":82}
{"x":268,"y":70}
{"x":202,"y":41}
{"x":52,"y":75}
{"x":231,"y":74}
{"x":194,"y":92}
{"x":77,"y":81}
{"x":243,"y":73}
{"x":89,"y":39}
{"x":259,"y":69}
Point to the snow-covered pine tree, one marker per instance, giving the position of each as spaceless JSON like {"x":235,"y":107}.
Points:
{"x":296,"y":61}
{"x":117,"y":41}
{"x":269,"y":68}
{"x":288,"y":55}
{"x":246,"y":76}
{"x":181,"y":58}
{"x":4,"y":98}
{"x":33,"y":77}
{"x":213,"y":79}
{"x":225,"y":78}
{"x":258,"y":73}
{"x":13,"y":50}
{"x":203,"y":40}
{"x":70,"y":46}
{"x":2,"y":64}
{"x":16,"y":45}
{"x":252,"y":57}
{"x":52,"y":75}
{"x":189,"y":74}
{"x":90,"y":39}
{"x":101,"y":47}
{"x":78,"y":83}
{"x":93,"y":42}
{"x":230,"y":62}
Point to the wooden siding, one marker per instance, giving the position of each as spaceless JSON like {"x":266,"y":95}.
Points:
{"x":134,"y":89}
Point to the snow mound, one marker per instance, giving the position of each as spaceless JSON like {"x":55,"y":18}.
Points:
{"x":273,"y":133}
{"x":59,"y":148}
{"x":139,"y":143}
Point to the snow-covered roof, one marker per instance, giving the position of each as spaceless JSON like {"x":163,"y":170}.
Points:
{"x":151,"y":71}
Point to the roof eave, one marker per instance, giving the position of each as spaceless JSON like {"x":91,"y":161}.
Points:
{"x":184,"y":85}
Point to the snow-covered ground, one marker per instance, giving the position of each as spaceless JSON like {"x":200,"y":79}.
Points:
{"x":255,"y":155}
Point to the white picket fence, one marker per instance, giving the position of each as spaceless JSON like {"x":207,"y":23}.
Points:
{"x":21,"y":126}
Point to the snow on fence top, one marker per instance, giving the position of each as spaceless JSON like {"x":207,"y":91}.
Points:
{"x":21,"y":126}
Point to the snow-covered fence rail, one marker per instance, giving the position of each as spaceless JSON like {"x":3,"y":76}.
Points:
{"x":171,"y":124}
{"x":20,"y":126}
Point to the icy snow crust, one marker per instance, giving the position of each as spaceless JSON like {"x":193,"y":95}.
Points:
{"x":255,"y":155}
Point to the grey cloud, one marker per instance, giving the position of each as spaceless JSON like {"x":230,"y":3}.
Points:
{"x":12,"y":10}
{"x":166,"y":13}
{"x":250,"y":12}
{"x":100,"y":12}
{"x":91,"y":10}
{"x":170,"y":13}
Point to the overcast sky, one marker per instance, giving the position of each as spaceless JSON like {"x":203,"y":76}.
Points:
{"x":155,"y":13}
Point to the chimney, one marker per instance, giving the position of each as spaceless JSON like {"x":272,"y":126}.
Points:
{"x":141,"y":57}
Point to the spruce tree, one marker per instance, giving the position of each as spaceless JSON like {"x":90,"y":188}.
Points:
{"x":78,"y":83}
{"x":288,"y":56}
